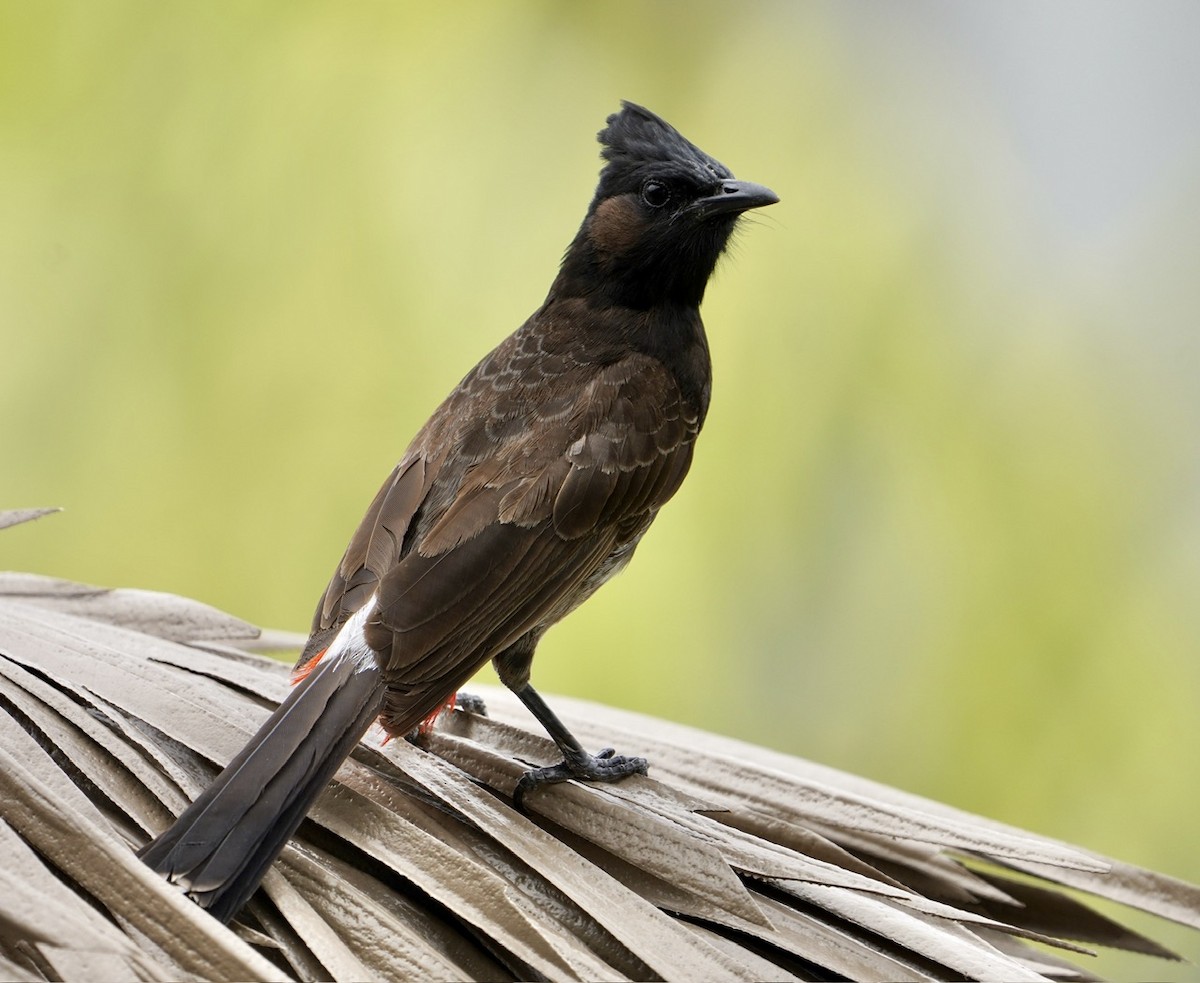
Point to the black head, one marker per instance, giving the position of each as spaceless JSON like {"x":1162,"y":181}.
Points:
{"x":663,"y":213}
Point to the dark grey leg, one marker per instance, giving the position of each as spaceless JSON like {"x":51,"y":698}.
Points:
{"x":513,"y":667}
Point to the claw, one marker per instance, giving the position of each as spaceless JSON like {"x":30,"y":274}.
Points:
{"x":470,"y":703}
{"x":606,"y":766}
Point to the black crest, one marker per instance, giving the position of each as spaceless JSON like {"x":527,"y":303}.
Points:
{"x":638,"y":144}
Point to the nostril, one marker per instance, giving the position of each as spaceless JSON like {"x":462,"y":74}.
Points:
{"x":730,"y":189}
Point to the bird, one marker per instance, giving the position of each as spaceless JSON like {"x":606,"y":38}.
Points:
{"x":530,"y":486}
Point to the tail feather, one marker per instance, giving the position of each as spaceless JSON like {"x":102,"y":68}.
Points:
{"x":223,"y":843}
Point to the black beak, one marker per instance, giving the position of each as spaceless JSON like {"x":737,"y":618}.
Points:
{"x":733,"y":198}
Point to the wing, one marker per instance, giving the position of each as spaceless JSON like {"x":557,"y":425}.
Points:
{"x":517,"y":492}
{"x":595,"y":447}
{"x":530,"y":526}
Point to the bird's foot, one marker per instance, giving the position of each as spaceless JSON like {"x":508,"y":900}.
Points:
{"x":470,"y":703}
{"x":606,"y":766}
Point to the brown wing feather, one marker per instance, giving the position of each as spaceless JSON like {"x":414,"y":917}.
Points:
{"x":511,"y":533}
{"x":374,"y":548}
{"x":633,"y":451}
{"x":443,"y":617}
{"x":528,"y":528}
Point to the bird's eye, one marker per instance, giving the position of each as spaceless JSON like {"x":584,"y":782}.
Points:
{"x":655,"y":194}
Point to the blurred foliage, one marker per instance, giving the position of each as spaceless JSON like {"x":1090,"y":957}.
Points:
{"x":942,"y":527}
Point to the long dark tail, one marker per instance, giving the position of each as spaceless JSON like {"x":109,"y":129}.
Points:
{"x":223,"y":843}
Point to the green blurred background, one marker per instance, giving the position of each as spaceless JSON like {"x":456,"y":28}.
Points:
{"x":943,"y":527}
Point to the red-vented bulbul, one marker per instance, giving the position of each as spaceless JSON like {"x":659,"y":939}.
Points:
{"x":528,"y":488}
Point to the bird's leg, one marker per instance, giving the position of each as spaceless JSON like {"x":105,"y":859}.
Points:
{"x":512,"y":665}
{"x":606,"y":766}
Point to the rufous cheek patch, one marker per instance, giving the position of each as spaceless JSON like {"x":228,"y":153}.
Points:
{"x":616,"y":224}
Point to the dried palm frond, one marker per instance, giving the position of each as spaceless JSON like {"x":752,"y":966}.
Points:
{"x":728,"y":862}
